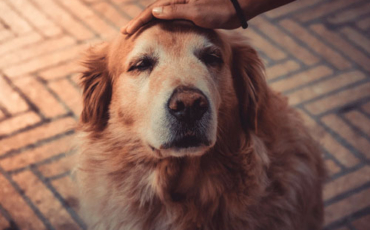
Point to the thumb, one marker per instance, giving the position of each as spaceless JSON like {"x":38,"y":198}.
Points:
{"x":174,"y":11}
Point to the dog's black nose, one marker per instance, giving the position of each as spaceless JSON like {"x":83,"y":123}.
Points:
{"x":188,"y":104}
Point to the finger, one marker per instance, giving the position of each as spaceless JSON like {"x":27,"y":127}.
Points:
{"x":173,"y":11}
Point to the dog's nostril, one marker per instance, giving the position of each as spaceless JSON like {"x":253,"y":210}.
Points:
{"x":188,"y":105}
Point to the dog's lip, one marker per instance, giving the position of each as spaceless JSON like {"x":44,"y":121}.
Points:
{"x":188,"y":141}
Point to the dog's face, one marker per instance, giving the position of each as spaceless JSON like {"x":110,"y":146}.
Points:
{"x":166,"y":87}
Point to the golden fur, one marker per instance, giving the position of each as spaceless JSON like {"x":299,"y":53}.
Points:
{"x":264,"y":172}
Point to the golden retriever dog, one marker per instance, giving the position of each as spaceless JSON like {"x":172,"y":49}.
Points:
{"x":179,"y":131}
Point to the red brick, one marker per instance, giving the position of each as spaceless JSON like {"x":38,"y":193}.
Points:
{"x":341,"y":128}
{"x":326,"y":52}
{"x":40,"y":96}
{"x":110,"y":13}
{"x":64,"y":19}
{"x":45,"y":201}
{"x":324,"y":87}
{"x":294,"y":6}
{"x":347,"y":206}
{"x":265,"y":46}
{"x":360,"y":121}
{"x":35,"y":50}
{"x":323,"y":9}
{"x":10,"y":17}
{"x":69,"y":94}
{"x":67,"y":189}
{"x":331,"y":167}
{"x":339,"y":99}
{"x":61,"y":70}
{"x":357,"y":38}
{"x":10,"y":99}
{"x":302,"y":78}
{"x":347,"y":182}
{"x":89,"y":17}
{"x":364,"y":23}
{"x":19,"y":42}
{"x":36,"y":134}
{"x":18,"y":122}
{"x":363,"y":223}
{"x":343,"y":155}
{"x":32,"y":14}
{"x":63,"y":145}
{"x":281,"y":69}
{"x":45,"y":61}
{"x":350,"y":14}
{"x":341,"y":44}
{"x":284,"y":40}
{"x":55,"y":168}
{"x":131,"y":9}
{"x":18,"y":209}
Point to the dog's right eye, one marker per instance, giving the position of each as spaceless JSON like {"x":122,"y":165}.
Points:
{"x":143,"y":64}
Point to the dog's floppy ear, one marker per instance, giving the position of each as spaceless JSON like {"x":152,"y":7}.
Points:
{"x":249,"y":82}
{"x":97,"y":89}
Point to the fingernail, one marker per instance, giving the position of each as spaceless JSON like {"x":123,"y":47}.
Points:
{"x":157,"y":10}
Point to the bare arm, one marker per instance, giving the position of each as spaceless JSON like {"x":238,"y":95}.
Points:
{"x":213,"y":14}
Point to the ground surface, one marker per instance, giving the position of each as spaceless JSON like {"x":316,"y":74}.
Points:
{"x":316,"y":51}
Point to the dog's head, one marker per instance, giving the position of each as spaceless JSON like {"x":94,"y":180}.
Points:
{"x":174,"y":86}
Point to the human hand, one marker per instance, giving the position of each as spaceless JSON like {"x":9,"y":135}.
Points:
{"x":212,"y":14}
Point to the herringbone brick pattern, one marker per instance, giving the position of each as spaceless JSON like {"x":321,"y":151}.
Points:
{"x":317,"y":52}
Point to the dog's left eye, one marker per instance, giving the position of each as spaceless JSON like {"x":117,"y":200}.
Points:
{"x":142,"y":65}
{"x":211,"y":59}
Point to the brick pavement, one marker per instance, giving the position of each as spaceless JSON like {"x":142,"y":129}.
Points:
{"x":316,"y":51}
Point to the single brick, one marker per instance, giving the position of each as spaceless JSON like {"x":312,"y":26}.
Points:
{"x":38,"y":154}
{"x":347,"y":206}
{"x":357,"y":38}
{"x":343,"y":155}
{"x":19,"y":42}
{"x":302,"y":78}
{"x":35,"y":50}
{"x":360,"y":121}
{"x":358,"y":142}
{"x":364,"y":24}
{"x":323,"y":9}
{"x":347,"y":182}
{"x":18,"y":209}
{"x":36,"y":17}
{"x":339,"y":99}
{"x":285,"y":41}
{"x":18,"y":122}
{"x":64,"y":19}
{"x":61,"y":70}
{"x":331,"y":167}
{"x":363,"y":223}
{"x":59,"y":167}
{"x":34,"y":135}
{"x":315,"y":44}
{"x":13,"y":19}
{"x":45,"y":201}
{"x":10,"y":99}
{"x":89,"y":17}
{"x":282,"y":69}
{"x":324,"y":87}
{"x":350,"y":14}
{"x":338,"y":42}
{"x":110,"y":13}
{"x":265,"y":46}
{"x":69,"y":94}
{"x":40,"y":96}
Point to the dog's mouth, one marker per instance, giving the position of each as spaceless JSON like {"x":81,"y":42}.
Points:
{"x":184,"y":142}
